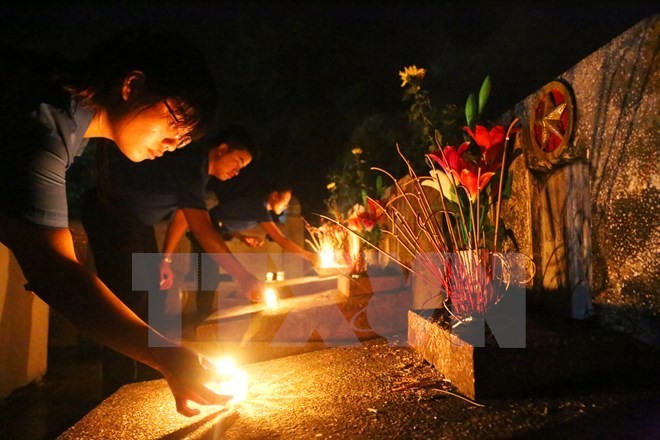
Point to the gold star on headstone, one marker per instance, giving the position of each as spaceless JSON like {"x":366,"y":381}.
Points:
{"x":551,"y":123}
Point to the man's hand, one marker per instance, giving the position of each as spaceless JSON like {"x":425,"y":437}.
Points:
{"x":166,"y":275}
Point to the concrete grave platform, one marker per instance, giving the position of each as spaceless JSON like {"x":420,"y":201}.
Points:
{"x":368,"y":284}
{"x":301,"y":286}
{"x":328,"y":317}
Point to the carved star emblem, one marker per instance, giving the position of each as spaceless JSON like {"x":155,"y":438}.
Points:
{"x":549,"y":127}
{"x":551,"y":123}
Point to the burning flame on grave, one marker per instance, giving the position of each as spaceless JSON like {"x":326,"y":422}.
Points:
{"x":328,"y":256}
{"x":234,"y":383}
{"x":354,"y":246}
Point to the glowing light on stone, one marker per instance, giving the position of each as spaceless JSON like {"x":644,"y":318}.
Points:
{"x":235,"y":383}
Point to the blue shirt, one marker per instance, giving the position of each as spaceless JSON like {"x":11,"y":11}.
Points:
{"x":240,"y":213}
{"x":151,"y":190}
{"x":42,"y":130}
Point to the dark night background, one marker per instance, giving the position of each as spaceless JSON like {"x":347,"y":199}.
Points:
{"x":302,"y":77}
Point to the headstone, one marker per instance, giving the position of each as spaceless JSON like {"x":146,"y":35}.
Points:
{"x":585,"y":201}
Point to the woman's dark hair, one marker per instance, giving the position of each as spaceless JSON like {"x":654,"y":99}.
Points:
{"x":174,"y":68}
{"x":236,"y":138}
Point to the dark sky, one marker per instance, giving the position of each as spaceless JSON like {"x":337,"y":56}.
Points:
{"x":301,"y":76}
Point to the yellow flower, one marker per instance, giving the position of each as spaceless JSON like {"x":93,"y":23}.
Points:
{"x":410,"y":74}
{"x":331,"y":185}
{"x":356,"y":150}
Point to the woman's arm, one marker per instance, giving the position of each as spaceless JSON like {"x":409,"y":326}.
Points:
{"x":274,"y":232}
{"x":49,"y":263}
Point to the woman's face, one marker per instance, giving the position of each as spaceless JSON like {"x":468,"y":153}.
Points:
{"x":279,"y":201}
{"x":148,"y":133}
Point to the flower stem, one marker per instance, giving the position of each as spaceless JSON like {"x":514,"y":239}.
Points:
{"x":499,"y":192}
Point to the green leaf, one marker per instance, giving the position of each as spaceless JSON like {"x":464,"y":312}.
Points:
{"x":484,"y":93}
{"x":470,"y":109}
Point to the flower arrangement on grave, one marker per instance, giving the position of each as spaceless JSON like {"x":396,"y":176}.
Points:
{"x":448,"y":217}
{"x":359,"y":215}
{"x":366,"y":221}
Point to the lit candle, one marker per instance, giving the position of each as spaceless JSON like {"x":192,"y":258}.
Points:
{"x":270,"y":298}
{"x":235,"y":384}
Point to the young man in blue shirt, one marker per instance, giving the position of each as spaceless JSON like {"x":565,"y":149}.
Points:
{"x":130,"y":198}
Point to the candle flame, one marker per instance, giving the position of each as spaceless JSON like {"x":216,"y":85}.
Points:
{"x":235,"y":384}
{"x":270,"y":297}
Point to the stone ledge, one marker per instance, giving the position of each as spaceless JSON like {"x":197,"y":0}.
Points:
{"x":328,"y":317}
{"x":366,"y":284}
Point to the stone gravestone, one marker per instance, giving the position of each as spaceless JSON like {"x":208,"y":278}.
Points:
{"x":584,"y":207}
{"x":586,"y":204}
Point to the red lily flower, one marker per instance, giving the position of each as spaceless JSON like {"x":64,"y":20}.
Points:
{"x":365,"y":218}
{"x":376,"y":211}
{"x":473,"y":184}
{"x":451,"y":160}
{"x":491,"y":144}
{"x":367,"y":223}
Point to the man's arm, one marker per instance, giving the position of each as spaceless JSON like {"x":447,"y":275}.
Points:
{"x":274,"y":232}
{"x":48,"y":261}
{"x":176,"y":228}
{"x":199,"y":223}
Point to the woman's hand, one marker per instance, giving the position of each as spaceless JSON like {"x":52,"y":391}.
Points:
{"x":253,"y":242}
{"x":186,"y":373}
